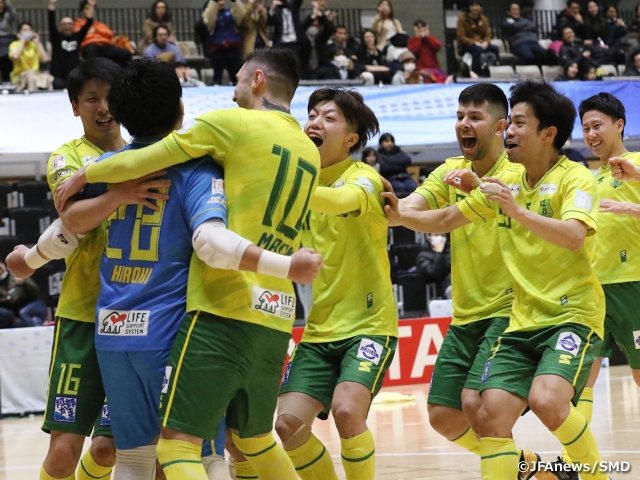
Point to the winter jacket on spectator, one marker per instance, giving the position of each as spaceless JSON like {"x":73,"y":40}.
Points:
{"x":435,"y":266}
{"x":470,"y":30}
{"x":252,"y":27}
{"x":519,"y":31}
{"x":393,"y":162}
{"x":223,"y":24}
{"x":425,"y":49}
{"x":99,"y":33}
{"x":566,"y":19}
{"x":382,"y":31}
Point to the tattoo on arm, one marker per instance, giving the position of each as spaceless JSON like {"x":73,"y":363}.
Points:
{"x":272,"y":106}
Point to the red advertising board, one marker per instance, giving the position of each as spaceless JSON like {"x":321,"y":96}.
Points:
{"x":418,"y":346}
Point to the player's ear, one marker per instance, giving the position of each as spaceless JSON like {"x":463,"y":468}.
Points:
{"x":501,"y":127}
{"x":258,"y":80}
{"x":351,"y":139}
{"x":550,"y":133}
{"x":75,"y":109}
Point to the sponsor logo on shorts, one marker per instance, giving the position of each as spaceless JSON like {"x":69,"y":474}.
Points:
{"x":287,"y":372}
{"x":61,"y":173}
{"x":165,"y":380}
{"x":370,"y":350}
{"x":569,"y":342}
{"x":279,"y":304}
{"x":105,"y":419}
{"x":124,"y":323}
{"x":485,"y":372}
{"x":217,"y":186}
{"x":59,"y":162}
{"x":64,"y":409}
{"x":636,"y":339}
{"x":218,"y":200}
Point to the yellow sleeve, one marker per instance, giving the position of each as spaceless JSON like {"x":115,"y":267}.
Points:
{"x":580,"y":198}
{"x":334,"y":201}
{"x":62,"y":163}
{"x":12,"y":47}
{"x":434,"y":190}
{"x":476,"y":208}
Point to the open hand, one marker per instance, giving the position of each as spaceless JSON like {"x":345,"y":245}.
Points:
{"x":139,"y":191}
{"x":391,"y":209}
{"x":69,"y":187}
{"x":612,"y":206}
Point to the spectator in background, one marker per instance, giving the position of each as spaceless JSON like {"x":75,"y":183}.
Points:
{"x":571,"y":17}
{"x":474,"y":37}
{"x":253,"y":27}
{"x":187,"y":76}
{"x":434,"y":262}
{"x":594,"y":24}
{"x":159,"y":14}
{"x":393,"y":164}
{"x":99,"y":41}
{"x":572,"y":153}
{"x":65,"y":43}
{"x":408,"y":74}
{"x":284,"y":16}
{"x":318,"y":29}
{"x":373,"y":59}
{"x":341,"y":67}
{"x":340,"y":39}
{"x":615,"y":31}
{"x":20,"y":302}
{"x":27,"y":52}
{"x":573,"y":49}
{"x":633,"y":69}
{"x":461,"y":70}
{"x":224,"y":44}
{"x":385,"y":24}
{"x":8,"y":27}
{"x":370,"y":157}
{"x":571,"y":71}
{"x":425,"y":47}
{"x":522,"y":35}
{"x":162,"y":49}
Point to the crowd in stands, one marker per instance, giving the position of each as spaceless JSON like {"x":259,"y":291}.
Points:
{"x":20,"y":302}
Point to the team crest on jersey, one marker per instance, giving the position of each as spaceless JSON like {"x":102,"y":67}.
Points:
{"x":636,"y":339}
{"x":124,"y":323}
{"x":370,"y":351}
{"x":217,"y":186}
{"x":545,"y":208}
{"x":58,"y":162}
{"x":165,"y":380}
{"x":64,"y":409}
{"x":278,"y":304}
{"x":569,"y":342}
{"x":615,"y":183}
{"x":105,"y":419}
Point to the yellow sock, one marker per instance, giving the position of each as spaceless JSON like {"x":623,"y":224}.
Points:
{"x":312,"y":461}
{"x":499,"y":458}
{"x":585,"y":407}
{"x":180,"y":460}
{"x":267,"y":457}
{"x":468,"y":441}
{"x":359,"y":456}
{"x":245,"y":471}
{"x":88,"y":469}
{"x":577,"y":438}
{"x":45,"y":476}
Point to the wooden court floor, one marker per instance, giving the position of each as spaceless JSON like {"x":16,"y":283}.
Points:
{"x":406,"y":446}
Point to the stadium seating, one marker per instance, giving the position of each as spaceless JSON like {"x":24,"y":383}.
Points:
{"x":7,"y":242}
{"x":551,"y":72}
{"x":27,"y":223}
{"x":404,"y":256}
{"x":502,"y":72}
{"x":528,"y":71}
{"x":412,"y":294}
{"x":506,"y":57}
{"x":609,"y":69}
{"x":403,"y":236}
{"x":34,"y":194}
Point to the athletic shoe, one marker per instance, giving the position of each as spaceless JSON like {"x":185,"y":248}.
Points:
{"x":532,"y":459}
{"x":558,"y":472}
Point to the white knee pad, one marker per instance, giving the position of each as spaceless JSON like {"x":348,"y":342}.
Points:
{"x":136,"y":463}
{"x":303,"y":411}
{"x":216,"y":467}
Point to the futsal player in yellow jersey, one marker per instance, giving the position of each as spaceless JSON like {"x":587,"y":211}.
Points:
{"x":352,"y":329}
{"x":546,"y":225}
{"x":233,"y":343}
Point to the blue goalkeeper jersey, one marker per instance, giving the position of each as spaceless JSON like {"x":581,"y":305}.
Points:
{"x":144,"y":270}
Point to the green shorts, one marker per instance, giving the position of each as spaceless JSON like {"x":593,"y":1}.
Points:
{"x":622,"y":321}
{"x":461,"y":360}
{"x":316,"y":368}
{"x":219,"y":366}
{"x":75,"y":399}
{"x":566,"y":350}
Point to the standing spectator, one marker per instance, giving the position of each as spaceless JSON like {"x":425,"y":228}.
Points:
{"x":162,"y":49}
{"x":99,"y":40}
{"x":373,"y":59}
{"x":633,"y":68}
{"x":570,"y":17}
{"x":284,"y":16}
{"x":159,"y":14}
{"x":370,"y":157}
{"x":253,"y":27}
{"x":425,"y":47}
{"x":318,"y":29}
{"x":385,"y":24}
{"x":522,"y":35}
{"x":394,"y":163}
{"x":224,"y":44}
{"x":8,"y":24}
{"x":65,"y":43}
{"x":27,"y":52}
{"x":594,"y":23}
{"x":474,"y":36}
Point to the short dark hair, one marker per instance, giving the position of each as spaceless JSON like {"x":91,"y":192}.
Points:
{"x":368,"y":151}
{"x":551,"y":108}
{"x":357,"y":114}
{"x":386,"y":136}
{"x":281,"y":68}
{"x":22,"y":24}
{"x":83,"y":4}
{"x":481,"y":93}
{"x":419,"y":23}
{"x":474,"y":2}
{"x":341,"y":26}
{"x":145,"y":98}
{"x":100,"y":68}
{"x":154,"y":32}
{"x":605,"y":103}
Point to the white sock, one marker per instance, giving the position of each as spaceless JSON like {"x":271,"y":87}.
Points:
{"x":136,"y":463}
{"x":216,"y":467}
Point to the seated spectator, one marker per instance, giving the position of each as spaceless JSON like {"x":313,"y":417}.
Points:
{"x":187,"y":76}
{"x":99,"y":41}
{"x":594,"y":24}
{"x":26,"y":53}
{"x":284,"y":16}
{"x":615,"y":29}
{"x":224,"y":44}
{"x":65,"y":43}
{"x":522,"y":35}
{"x":434,"y":262}
{"x":341,"y":40}
{"x":341,"y":67}
{"x":318,"y":29}
{"x":253,"y":27}
{"x":385,"y":25}
{"x":474,"y":37}
{"x":159,"y":14}
{"x":425,"y":47}
{"x":571,"y":72}
{"x":20,"y":302}
{"x":8,"y":24}
{"x":590,"y":72}
{"x":370,"y":157}
{"x":461,"y":70}
{"x":408,"y":74}
{"x":162,"y":49}
{"x":570,"y":17}
{"x":373,"y":59}
{"x":394,"y":163}
{"x":633,"y":68}
{"x":573,"y":49}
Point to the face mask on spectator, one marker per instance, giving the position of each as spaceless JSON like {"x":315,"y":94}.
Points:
{"x":26,"y":36}
{"x":312,"y":31}
{"x":341,"y":61}
{"x":409,"y":66}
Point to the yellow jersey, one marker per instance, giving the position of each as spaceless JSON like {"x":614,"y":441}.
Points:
{"x":271,"y":168}
{"x":29,"y":59}
{"x":352,"y":294}
{"x":617,"y":256}
{"x":481,"y":285}
{"x":81,"y":283}
{"x":553,"y":285}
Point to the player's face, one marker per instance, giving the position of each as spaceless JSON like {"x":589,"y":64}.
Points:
{"x":329,"y":130}
{"x":601,"y":133}
{"x":475,"y":131}
{"x":523,"y":137}
{"x":93,"y":109}
{"x":242,"y":94}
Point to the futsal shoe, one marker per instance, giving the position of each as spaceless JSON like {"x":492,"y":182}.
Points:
{"x":532,"y":460}
{"x":558,"y":472}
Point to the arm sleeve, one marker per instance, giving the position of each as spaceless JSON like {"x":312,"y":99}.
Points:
{"x":218,"y":247}
{"x":334,"y":201}
{"x":238,"y":10}
{"x":476,"y":208}
{"x":580,"y":198}
{"x":210,"y":14}
{"x":434,"y":190}
{"x":84,"y":30}
{"x":461,"y":34}
{"x":433,"y":43}
{"x":53,"y":28}
{"x":55,"y":242}
{"x":94,"y":190}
